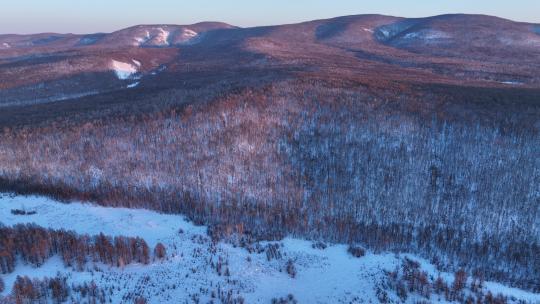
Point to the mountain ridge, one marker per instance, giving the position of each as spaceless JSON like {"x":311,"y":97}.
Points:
{"x":225,"y":24}
{"x":213,"y":25}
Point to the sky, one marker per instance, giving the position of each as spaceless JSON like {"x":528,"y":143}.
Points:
{"x":89,"y":16}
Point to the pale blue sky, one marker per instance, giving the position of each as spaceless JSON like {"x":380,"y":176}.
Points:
{"x":85,"y":16}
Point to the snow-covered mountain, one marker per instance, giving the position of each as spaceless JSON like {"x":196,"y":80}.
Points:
{"x":456,"y":49}
{"x":414,"y":141}
{"x":159,"y":35}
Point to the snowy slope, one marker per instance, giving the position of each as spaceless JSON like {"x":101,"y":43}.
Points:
{"x":123,"y":70}
{"x":328,"y":275}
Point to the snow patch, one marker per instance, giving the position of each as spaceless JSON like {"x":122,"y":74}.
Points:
{"x":497,"y":288}
{"x":93,"y":219}
{"x":6,"y":45}
{"x":189,"y":33}
{"x":385,"y":33}
{"x":512,"y":82}
{"x":159,"y":70}
{"x":528,"y":40}
{"x":90,"y":39}
{"x":426,"y":35}
{"x":188,"y":37}
{"x":411,"y":35}
{"x":87,"y":41}
{"x":137,"y":63}
{"x":133,"y":85}
{"x":123,"y":70}
{"x":369,"y":30}
{"x":142,"y":40}
{"x":162,"y":37}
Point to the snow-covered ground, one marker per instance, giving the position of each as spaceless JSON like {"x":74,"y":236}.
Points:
{"x":328,"y":275}
{"x":137,"y":63}
{"x":141,"y":40}
{"x":133,"y":85}
{"x":162,"y":37}
{"x":512,"y":82}
{"x":188,"y":34}
{"x":123,"y":70}
{"x":427,"y":35}
{"x":188,"y":37}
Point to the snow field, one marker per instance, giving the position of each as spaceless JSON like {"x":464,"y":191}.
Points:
{"x":323,"y":276}
{"x":123,"y":70}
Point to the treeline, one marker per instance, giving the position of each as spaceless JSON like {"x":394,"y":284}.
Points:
{"x":54,"y":290}
{"x":455,"y":181}
{"x":34,"y":245}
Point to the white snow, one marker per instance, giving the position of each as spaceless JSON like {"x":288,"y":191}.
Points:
{"x":512,"y":82}
{"x":389,"y":31}
{"x":162,"y":38}
{"x":497,"y":288}
{"x":426,"y":35}
{"x":525,"y":40}
{"x":137,"y":63}
{"x":187,"y":33}
{"x":159,"y":70}
{"x":385,"y":32}
{"x":93,"y":219}
{"x":132,"y":85}
{"x":188,"y":37}
{"x":411,"y":35}
{"x":157,"y":36}
{"x":368,"y":30}
{"x":141,"y":40}
{"x":6,"y":45}
{"x":49,"y":269}
{"x":123,"y":70}
{"x":323,"y":276}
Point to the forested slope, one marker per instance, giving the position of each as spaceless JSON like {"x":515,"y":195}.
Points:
{"x":339,"y":136}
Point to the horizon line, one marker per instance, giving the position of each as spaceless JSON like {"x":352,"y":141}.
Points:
{"x":257,"y":26}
